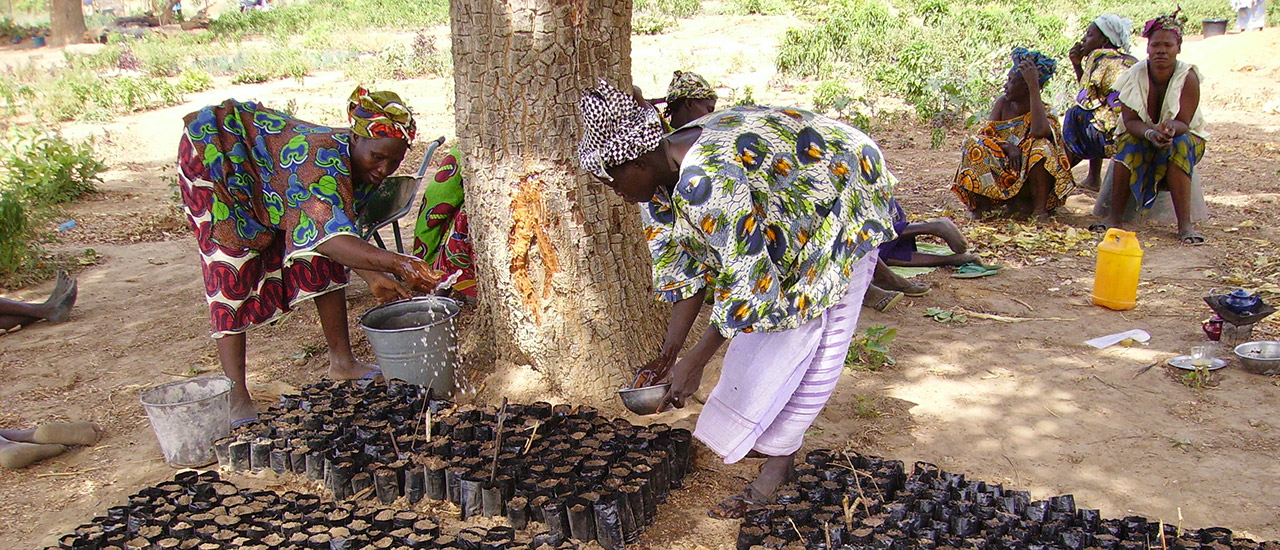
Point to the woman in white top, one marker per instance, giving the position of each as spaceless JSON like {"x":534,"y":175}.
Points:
{"x":1162,"y":135}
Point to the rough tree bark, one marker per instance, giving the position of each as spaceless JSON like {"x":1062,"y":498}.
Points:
{"x":564,"y":274}
{"x":66,"y":22}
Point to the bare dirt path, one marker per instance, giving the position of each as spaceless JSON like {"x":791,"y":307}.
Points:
{"x":1023,"y":404}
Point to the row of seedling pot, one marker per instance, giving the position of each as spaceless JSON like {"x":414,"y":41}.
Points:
{"x":200,"y":511}
{"x":844,"y":500}
{"x":585,"y":477}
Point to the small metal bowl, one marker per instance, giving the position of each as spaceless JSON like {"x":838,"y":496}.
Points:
{"x":1261,"y":357}
{"x":646,"y":400}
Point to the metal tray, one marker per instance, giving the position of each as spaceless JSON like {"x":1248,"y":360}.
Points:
{"x":1184,"y":362}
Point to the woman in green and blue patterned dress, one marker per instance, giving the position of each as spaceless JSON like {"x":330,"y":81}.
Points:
{"x":778,"y":212}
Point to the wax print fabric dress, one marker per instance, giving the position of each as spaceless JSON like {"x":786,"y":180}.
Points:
{"x":261,"y":190}
{"x":441,"y":237}
{"x":772,"y":208}
{"x":1090,"y":126}
{"x":985,"y":170}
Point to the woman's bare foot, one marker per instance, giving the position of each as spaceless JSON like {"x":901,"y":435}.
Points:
{"x":62,"y":299}
{"x":242,"y":407}
{"x":351,"y":369}
{"x":14,"y":455}
{"x":68,"y":433}
{"x":961,"y":259}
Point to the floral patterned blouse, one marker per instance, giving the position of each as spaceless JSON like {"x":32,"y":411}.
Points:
{"x":275,"y":177}
{"x":1097,"y":87}
{"x":772,"y":209}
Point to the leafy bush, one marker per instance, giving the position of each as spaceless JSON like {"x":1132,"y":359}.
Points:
{"x":650,"y":23}
{"x":758,"y":7}
{"x":672,"y":8}
{"x":194,"y":80}
{"x":299,"y":17}
{"x":37,"y":172}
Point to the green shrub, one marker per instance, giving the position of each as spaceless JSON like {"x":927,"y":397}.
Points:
{"x":672,"y":8}
{"x":298,"y":17}
{"x":37,"y":172}
{"x":650,"y":23}
{"x":194,"y":80}
{"x":758,"y":7}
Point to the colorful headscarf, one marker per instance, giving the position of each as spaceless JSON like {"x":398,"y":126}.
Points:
{"x":380,"y":115}
{"x":1171,"y":22}
{"x":615,"y":129}
{"x":1116,"y":29}
{"x":689,"y":86}
{"x":1045,"y":65}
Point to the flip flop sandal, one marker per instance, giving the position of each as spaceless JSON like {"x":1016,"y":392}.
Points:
{"x":237,"y":423}
{"x":891,"y":298}
{"x":1192,"y":239}
{"x":921,"y":291}
{"x":1099,"y":227}
{"x":736,"y":506}
{"x":972,"y":271}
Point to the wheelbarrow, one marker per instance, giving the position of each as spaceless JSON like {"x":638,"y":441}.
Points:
{"x":392,"y":200}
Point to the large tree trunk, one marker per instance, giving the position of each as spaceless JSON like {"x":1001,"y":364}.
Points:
{"x":564,"y":273}
{"x":66,"y":22}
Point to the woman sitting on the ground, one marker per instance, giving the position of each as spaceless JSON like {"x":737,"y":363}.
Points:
{"x":1016,"y":160}
{"x":15,"y":314}
{"x":1164,"y":134}
{"x":273,"y":202}
{"x":1089,"y":127}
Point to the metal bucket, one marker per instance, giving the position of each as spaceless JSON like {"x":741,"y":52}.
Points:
{"x":415,"y":340}
{"x":188,"y":416}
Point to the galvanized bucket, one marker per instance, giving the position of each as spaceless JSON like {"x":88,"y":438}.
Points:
{"x":415,"y":340}
{"x":188,"y":416}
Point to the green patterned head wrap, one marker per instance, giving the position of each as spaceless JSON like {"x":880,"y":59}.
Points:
{"x":380,"y":115}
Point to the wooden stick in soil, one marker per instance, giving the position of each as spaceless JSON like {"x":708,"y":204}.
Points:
{"x":497,"y":440}
{"x":426,"y":413}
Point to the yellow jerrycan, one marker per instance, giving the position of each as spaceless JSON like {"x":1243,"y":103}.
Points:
{"x":1115,"y":280}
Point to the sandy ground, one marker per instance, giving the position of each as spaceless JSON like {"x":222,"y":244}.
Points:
{"x":1024,"y":404}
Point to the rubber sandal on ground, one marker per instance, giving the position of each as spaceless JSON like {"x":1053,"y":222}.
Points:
{"x":243,"y":421}
{"x":917,"y":291}
{"x":1191,"y":239}
{"x":890,"y":299}
{"x":736,"y":506}
{"x":1099,"y":227}
{"x":972,"y":271}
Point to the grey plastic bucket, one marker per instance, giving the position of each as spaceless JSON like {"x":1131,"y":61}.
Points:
{"x":415,"y":340}
{"x":188,"y":416}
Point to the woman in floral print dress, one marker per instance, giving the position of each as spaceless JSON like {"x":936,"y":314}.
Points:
{"x":779,"y":213}
{"x":273,"y":202}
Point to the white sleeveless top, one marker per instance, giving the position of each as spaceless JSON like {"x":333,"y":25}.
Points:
{"x":1134,"y":85}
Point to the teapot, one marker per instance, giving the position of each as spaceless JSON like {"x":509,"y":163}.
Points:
{"x":1241,"y":302}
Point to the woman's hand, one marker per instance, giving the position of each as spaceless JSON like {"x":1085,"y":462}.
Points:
{"x":416,"y":273}
{"x":1076,"y":53}
{"x":385,"y":289}
{"x":1031,"y":76}
{"x":1012,"y":155}
{"x":686,"y":377}
{"x":1158,"y":137}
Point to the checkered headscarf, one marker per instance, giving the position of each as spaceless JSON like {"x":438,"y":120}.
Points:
{"x":615,"y":129}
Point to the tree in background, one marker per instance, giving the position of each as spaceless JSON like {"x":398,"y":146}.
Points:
{"x":564,"y":273}
{"x":66,"y":22}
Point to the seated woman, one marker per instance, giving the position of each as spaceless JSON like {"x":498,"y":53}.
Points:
{"x":1089,"y":127}
{"x":1163,"y":137}
{"x":1016,"y":159}
{"x":15,"y":315}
